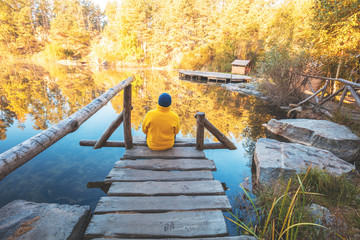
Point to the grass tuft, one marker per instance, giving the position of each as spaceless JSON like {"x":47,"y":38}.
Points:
{"x":281,"y":210}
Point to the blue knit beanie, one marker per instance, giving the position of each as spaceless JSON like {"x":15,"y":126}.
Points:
{"x":164,"y":100}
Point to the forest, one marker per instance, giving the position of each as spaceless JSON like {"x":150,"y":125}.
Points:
{"x":278,"y":36}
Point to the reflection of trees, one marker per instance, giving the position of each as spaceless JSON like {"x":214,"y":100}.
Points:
{"x":50,"y":95}
{"x":24,"y":91}
{"x":6,"y":117}
{"x":235,"y":115}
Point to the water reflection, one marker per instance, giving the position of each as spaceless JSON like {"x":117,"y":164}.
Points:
{"x":35,"y":97}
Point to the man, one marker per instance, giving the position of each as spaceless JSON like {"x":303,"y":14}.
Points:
{"x":161,"y":125}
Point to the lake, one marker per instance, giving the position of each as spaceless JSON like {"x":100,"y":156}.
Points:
{"x":35,"y":97}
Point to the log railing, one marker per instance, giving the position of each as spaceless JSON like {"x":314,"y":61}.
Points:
{"x":202,"y":123}
{"x":20,"y":154}
{"x":319,"y":95}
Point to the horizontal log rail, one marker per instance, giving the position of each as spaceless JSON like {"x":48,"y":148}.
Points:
{"x":347,"y":88}
{"x":91,"y":143}
{"x":202,"y":123}
{"x":25,"y":151}
{"x":347,"y":82}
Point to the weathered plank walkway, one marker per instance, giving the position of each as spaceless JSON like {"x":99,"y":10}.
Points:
{"x":214,"y":77}
{"x":161,"y":194}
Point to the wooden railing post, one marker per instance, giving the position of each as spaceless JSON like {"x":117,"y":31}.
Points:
{"x":312,"y":90}
{"x":324,"y":91}
{"x":200,"y":117}
{"x":127,"y":118}
{"x":343,"y":96}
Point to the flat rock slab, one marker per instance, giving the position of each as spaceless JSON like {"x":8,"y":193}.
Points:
{"x":133,"y":175}
{"x":166,"y":188}
{"x":168,"y":165}
{"x":158,"y":225}
{"x":323,"y":134}
{"x":162,"y":204}
{"x":27,"y":220}
{"x":274,"y":159}
{"x":139,"y":152}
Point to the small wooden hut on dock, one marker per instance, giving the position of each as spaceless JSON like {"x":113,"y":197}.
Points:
{"x":241,"y":66}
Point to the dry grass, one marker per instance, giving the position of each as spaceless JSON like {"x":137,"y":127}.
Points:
{"x":23,"y":228}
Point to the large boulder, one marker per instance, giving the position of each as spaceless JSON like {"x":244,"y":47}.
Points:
{"x":274,"y":160}
{"x":28,"y":220}
{"x":323,"y":134}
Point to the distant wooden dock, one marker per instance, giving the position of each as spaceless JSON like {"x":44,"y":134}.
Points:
{"x":213,"y":77}
{"x":161,"y":194}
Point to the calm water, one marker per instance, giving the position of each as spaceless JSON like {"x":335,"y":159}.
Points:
{"x":35,"y":97}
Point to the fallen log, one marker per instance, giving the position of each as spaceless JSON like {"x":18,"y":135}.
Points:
{"x":20,"y":154}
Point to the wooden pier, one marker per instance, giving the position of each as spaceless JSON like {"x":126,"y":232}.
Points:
{"x":161,"y":194}
{"x":213,"y":77}
{"x":150,"y":194}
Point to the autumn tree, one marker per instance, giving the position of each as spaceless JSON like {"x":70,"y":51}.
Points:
{"x":336,"y":27}
{"x":17,"y":31}
{"x":68,"y":32}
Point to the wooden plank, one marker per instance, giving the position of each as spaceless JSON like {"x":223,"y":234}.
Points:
{"x":132,"y":175}
{"x":159,"y":204}
{"x":168,"y":165}
{"x":157,"y":225}
{"x":166,"y":188}
{"x":175,"y":152}
{"x":244,"y":237}
{"x":142,"y":139}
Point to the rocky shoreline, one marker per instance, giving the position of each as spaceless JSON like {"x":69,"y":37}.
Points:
{"x":318,"y":143}
{"x":250,"y":89}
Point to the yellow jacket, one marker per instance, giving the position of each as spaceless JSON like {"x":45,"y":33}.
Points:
{"x":161,"y":125}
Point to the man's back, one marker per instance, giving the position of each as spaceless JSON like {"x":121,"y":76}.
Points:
{"x":161,"y":125}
